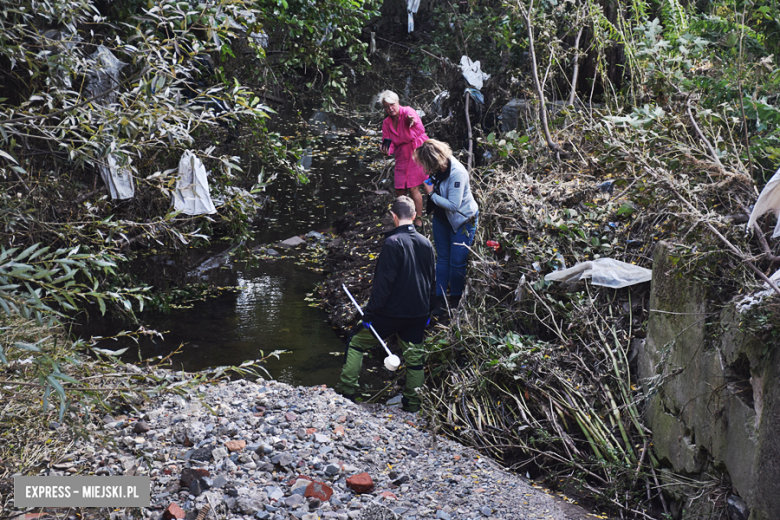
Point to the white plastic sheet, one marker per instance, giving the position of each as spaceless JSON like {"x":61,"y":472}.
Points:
{"x":603,"y":271}
{"x":411,"y":8}
{"x":472,"y":71}
{"x":192,"y":195}
{"x":751,"y":300}
{"x":105,"y":75}
{"x":769,"y":200}
{"x":119,"y":179}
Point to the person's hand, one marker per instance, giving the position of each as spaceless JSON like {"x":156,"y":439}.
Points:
{"x":367,"y":324}
{"x":410,"y":120}
{"x":428,"y":186}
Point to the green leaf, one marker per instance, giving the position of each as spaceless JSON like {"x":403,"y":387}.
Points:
{"x":107,"y":352}
{"x":65,"y":377}
{"x":626,"y":209}
{"x":46,"y":392}
{"x":27,"y":346}
{"x":57,"y":385}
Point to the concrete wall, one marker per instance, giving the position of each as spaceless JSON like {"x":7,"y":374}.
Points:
{"x":714,"y":404}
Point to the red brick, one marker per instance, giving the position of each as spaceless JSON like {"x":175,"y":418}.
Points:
{"x":339,"y":431}
{"x":235,"y":445}
{"x":318,"y":490}
{"x":310,"y":431}
{"x":360,"y":483}
{"x":388,"y":495}
{"x":173,"y":512}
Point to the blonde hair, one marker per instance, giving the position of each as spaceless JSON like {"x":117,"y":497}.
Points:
{"x":387,"y":95}
{"x":433,"y":155}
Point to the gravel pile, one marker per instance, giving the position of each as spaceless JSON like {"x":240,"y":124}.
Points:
{"x":269,"y":451}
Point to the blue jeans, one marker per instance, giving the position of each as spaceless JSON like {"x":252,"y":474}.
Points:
{"x":451,"y":255}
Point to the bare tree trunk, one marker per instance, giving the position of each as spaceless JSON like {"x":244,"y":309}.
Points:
{"x":468,"y":125}
{"x":539,"y":91}
{"x":576,"y":71}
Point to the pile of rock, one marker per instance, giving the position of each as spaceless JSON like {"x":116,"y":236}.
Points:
{"x":270,"y":451}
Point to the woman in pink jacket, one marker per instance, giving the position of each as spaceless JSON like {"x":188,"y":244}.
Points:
{"x":402,"y":133}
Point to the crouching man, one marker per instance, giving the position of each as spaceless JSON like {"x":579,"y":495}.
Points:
{"x":401,"y":301}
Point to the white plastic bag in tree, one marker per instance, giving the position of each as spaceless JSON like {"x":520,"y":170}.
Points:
{"x":119,"y":179}
{"x":192,"y":195}
{"x":472,"y":71}
{"x":603,"y":271}
{"x":411,"y":8}
{"x":769,"y":200}
{"x":105,"y":75}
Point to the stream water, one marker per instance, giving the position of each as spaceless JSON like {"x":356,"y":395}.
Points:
{"x":269,"y":310}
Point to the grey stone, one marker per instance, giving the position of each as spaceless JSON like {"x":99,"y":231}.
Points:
{"x":141,"y":427}
{"x":331,"y":470}
{"x":274,"y":493}
{"x":198,"y":486}
{"x":485,"y":510}
{"x":441,"y":515}
{"x":219,"y":453}
{"x":251,"y":503}
{"x":294,"y":501}
{"x":201,"y":454}
{"x":374,"y":511}
{"x":292,"y":242}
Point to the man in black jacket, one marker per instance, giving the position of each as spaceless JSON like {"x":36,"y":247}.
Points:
{"x":401,"y":301}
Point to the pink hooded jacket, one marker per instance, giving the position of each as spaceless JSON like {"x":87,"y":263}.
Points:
{"x":405,"y":140}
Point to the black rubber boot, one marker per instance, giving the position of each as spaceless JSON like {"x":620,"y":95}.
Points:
{"x":439,"y":308}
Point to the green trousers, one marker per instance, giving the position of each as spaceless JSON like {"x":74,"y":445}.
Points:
{"x":414,"y":357}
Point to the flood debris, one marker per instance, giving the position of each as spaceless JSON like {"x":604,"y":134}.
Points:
{"x":605,"y":272}
{"x":768,"y":200}
{"x":119,"y":179}
{"x":192,"y":196}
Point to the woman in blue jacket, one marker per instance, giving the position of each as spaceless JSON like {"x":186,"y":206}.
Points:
{"x":454,"y":217}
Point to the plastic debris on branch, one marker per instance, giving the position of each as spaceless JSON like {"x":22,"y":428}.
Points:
{"x":605,"y":272}
{"x":105,"y":74}
{"x":751,"y":300}
{"x":472,"y":71}
{"x":769,"y":200}
{"x":411,"y":8}
{"x":119,"y":179}
{"x":192,"y":196}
